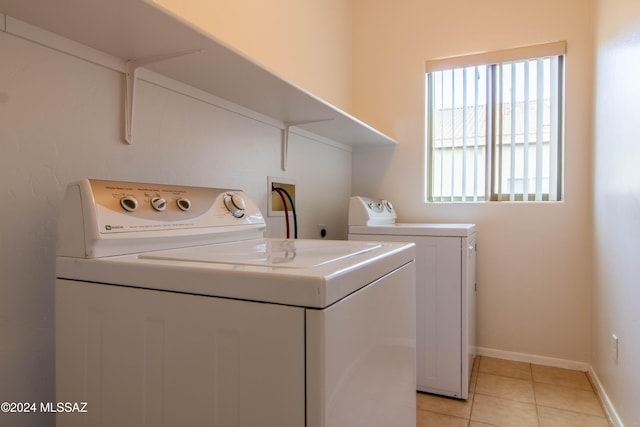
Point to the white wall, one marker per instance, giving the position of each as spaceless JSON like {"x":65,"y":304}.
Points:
{"x":616,"y":291}
{"x":61,"y":119}
{"x":534,"y":260}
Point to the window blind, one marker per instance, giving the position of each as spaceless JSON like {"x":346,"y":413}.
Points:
{"x":556,"y":48}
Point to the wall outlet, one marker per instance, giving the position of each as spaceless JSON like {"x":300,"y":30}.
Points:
{"x":614,"y":348}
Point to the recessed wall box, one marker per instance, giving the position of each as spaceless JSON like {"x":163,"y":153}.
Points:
{"x":276,"y":208}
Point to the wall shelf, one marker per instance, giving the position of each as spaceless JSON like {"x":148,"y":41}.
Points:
{"x":135,"y":29}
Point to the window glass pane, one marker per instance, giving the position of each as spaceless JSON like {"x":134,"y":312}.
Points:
{"x":458,"y":134}
{"x":525,"y":127}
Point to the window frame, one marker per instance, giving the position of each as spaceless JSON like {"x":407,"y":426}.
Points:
{"x":492,"y":61}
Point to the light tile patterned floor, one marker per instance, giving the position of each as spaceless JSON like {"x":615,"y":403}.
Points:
{"x":506,"y":393}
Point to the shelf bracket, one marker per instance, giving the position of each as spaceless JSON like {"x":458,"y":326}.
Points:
{"x":131,"y":70}
{"x":285,"y":139}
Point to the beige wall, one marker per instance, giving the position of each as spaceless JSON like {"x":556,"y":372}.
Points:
{"x":534,"y":260}
{"x":616,"y":292}
{"x":306,"y":42}
{"x":60,"y":120}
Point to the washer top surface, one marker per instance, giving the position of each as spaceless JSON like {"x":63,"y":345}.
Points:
{"x":305,"y":273}
{"x":416,"y":229}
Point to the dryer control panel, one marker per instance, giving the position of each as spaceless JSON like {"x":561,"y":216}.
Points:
{"x":370,"y":211}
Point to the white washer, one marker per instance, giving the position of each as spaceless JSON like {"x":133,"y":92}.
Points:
{"x":445,"y":291}
{"x":172,"y":309}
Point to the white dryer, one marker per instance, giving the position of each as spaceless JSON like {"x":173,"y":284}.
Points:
{"x":445,"y":291}
{"x":172,"y":309}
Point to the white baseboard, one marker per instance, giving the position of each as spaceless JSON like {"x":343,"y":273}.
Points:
{"x":604,"y":398}
{"x":559,"y":363}
{"x":533,"y":358}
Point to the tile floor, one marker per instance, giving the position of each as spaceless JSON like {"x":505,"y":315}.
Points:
{"x":506,"y":393}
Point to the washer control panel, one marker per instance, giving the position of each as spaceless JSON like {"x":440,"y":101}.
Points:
{"x":371,"y":211}
{"x":139,"y":212}
{"x":124,"y":204}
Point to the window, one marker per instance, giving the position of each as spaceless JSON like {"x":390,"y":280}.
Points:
{"x":494,"y":126}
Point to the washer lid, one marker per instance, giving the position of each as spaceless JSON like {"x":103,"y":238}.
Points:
{"x":268,"y":253}
{"x":305,"y":273}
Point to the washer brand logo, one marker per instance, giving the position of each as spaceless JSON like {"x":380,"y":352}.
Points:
{"x":112,"y":227}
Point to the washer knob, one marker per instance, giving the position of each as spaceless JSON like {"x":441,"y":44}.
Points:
{"x":235,"y":204}
{"x":159,"y":204}
{"x":387,"y":204}
{"x":129,"y":203}
{"x":183,"y":204}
